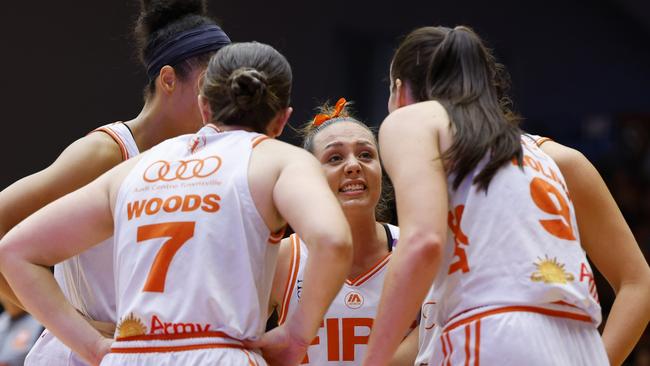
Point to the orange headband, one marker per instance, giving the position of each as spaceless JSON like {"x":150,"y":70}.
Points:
{"x":322,"y":118}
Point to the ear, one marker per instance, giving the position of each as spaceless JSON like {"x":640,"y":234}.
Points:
{"x":275,"y":127}
{"x":167,"y":79}
{"x":403,"y":94}
{"x":204,"y":107}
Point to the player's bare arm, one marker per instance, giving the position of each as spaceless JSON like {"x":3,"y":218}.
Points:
{"x":70,"y":171}
{"x":611,"y":246}
{"x":418,"y":177}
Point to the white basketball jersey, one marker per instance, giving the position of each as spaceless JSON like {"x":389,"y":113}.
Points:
{"x":87,"y":279}
{"x":516,"y":245}
{"x":194,"y":259}
{"x":343,"y":336}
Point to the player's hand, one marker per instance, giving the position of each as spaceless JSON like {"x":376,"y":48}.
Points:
{"x":279,"y":347}
{"x":106,"y":329}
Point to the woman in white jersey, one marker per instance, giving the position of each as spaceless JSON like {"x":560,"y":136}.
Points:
{"x":347,"y":151}
{"x":175,"y":40}
{"x":512,"y":279}
{"x":197,"y":221}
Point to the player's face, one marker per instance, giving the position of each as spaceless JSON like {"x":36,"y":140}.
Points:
{"x":348,"y":154}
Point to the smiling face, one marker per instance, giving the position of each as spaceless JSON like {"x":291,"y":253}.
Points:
{"x":349,"y":157}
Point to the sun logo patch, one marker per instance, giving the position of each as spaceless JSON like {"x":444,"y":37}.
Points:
{"x":549,"y":270}
{"x":131,"y":326}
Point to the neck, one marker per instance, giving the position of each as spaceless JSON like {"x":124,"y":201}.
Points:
{"x":224,"y":127}
{"x":154,"y":125}
{"x":369,"y":242}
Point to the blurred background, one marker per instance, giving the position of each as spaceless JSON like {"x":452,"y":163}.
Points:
{"x":580,"y":71}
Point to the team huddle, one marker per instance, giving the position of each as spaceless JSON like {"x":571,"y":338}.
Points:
{"x":168,"y":232}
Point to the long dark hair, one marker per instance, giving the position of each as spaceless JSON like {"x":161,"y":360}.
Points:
{"x":247,"y":84}
{"x":453,"y":67}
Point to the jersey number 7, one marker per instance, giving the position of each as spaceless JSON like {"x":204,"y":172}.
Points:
{"x":179,"y":233}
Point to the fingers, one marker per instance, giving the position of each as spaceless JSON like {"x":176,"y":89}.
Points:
{"x":260,"y":343}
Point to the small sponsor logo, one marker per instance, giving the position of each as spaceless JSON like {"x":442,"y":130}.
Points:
{"x":196,"y":143}
{"x":159,"y":326}
{"x":166,"y":171}
{"x":130,"y":326}
{"x":549,"y":270}
{"x":428,"y":309}
{"x":353,"y":300}
{"x":133,"y":326}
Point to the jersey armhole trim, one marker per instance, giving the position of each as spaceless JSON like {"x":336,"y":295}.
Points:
{"x":276,"y":237}
{"x":294,"y":265}
{"x":257,"y":139}
{"x":542,"y":140}
{"x":389,"y":237}
{"x":116,"y":138}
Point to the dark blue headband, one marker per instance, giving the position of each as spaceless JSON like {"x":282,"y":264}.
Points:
{"x":193,"y":42}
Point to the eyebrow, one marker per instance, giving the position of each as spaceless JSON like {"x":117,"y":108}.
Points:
{"x":338,"y":143}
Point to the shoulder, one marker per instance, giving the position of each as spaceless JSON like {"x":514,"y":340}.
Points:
{"x":424,"y":114}
{"x":282,"y":149}
{"x":419,"y":123}
{"x":97,"y":146}
{"x":83,"y":160}
{"x":276,"y":155}
{"x":565,"y":157}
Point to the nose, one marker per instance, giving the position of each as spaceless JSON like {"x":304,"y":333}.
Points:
{"x":352,"y":167}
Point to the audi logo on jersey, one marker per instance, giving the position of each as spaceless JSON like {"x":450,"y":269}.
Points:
{"x":165,"y":171}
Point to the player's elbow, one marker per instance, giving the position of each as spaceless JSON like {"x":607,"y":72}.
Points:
{"x":8,"y":257}
{"x":425,"y":245}
{"x":336,"y":246}
{"x":643,"y":279}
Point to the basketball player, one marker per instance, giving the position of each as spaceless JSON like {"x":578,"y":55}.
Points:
{"x":175,"y":39}
{"x":347,"y":151}
{"x":599,"y":222}
{"x":197,"y":222}
{"x":513,"y":282}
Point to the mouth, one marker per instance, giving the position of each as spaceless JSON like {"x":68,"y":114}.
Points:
{"x":353,"y":188}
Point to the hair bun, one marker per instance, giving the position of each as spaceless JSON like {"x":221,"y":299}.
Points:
{"x":247,"y":87}
{"x":157,"y":14}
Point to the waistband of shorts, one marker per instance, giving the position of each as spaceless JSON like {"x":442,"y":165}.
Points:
{"x":558,"y":309}
{"x":161,"y":343}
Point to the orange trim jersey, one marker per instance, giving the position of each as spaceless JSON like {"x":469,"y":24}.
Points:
{"x":87,"y":279}
{"x":516,"y":245}
{"x":194,"y":258}
{"x":503,"y":335}
{"x":343,"y":336}
{"x":122,"y":136}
